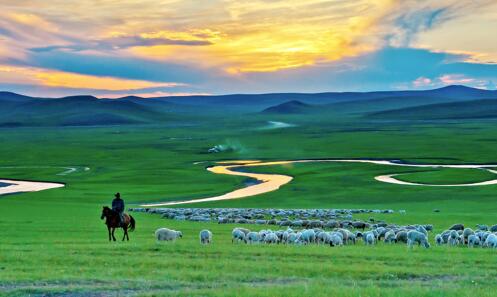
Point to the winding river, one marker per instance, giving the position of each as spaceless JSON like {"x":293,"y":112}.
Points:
{"x":272,"y":182}
{"x":11,"y":186}
{"x":266,"y":182}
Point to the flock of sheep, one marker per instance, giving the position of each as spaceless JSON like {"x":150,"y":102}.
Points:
{"x":410,"y":235}
{"x":320,"y":226}
{"x":260,"y":216}
{"x":336,"y":237}
{"x":339,"y":236}
{"x":483,"y":236}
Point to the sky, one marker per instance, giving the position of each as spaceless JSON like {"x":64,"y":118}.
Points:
{"x":113,"y":48}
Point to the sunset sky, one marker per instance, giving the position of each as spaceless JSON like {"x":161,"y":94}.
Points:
{"x":111,"y":48}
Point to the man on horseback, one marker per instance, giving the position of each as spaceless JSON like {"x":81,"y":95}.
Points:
{"x":118,"y":207}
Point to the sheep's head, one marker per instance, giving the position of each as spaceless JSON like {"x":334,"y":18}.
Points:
{"x":180,"y":234}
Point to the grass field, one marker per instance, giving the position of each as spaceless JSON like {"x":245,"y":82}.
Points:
{"x":54,"y":243}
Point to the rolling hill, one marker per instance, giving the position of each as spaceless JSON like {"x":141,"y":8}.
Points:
{"x":472,"y":109}
{"x":76,"y":110}
{"x":290,"y":107}
{"x":19,"y":110}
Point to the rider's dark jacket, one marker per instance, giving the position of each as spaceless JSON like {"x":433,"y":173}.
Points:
{"x":118,"y":205}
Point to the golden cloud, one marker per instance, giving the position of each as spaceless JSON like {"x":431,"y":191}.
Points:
{"x":37,"y":76}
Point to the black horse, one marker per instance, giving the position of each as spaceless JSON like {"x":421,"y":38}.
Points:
{"x":112,"y":221}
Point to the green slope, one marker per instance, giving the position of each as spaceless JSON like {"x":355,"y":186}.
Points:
{"x":474,"y":109}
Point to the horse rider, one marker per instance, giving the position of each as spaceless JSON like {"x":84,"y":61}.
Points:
{"x":118,"y":207}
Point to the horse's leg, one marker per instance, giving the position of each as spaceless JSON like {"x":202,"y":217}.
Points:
{"x":127,"y":234}
{"x":113,"y":237}
{"x":125,"y":229}
{"x":108,"y":229}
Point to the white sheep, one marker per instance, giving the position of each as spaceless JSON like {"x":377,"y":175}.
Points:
{"x":491,"y":241}
{"x":336,"y":239}
{"x":473,"y":240}
{"x":271,"y":238}
{"x":415,"y":236}
{"x":253,"y":237}
{"x":369,"y":238}
{"x":322,"y":237}
{"x":205,"y":236}
{"x":466,"y":233}
{"x":308,"y":236}
{"x":390,"y":236}
{"x":293,"y":237}
{"x":351,"y":238}
{"x":164,"y":234}
{"x":453,"y":238}
{"x":238,"y":235}
{"x":286,"y":233}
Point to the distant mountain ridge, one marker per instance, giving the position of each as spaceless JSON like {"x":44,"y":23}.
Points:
{"x":20,"y":110}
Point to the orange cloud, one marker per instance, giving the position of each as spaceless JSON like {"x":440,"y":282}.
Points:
{"x":24,"y":75}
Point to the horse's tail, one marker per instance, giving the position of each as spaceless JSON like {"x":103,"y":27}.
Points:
{"x":132,"y":223}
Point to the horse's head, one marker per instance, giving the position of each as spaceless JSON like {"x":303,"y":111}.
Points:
{"x":105,"y":212}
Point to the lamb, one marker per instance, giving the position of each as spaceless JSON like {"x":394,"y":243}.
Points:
{"x":415,"y":236}
{"x":165,"y":234}
{"x":205,"y":236}
{"x":493,"y":228}
{"x":238,"y":235}
{"x":491,"y":241}
{"x":390,"y":237}
{"x":473,"y":240}
{"x":439,"y":239}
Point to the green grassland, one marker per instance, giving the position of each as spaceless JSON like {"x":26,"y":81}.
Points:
{"x":54,"y":243}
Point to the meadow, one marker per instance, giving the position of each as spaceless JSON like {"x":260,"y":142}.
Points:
{"x":54,"y":243}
